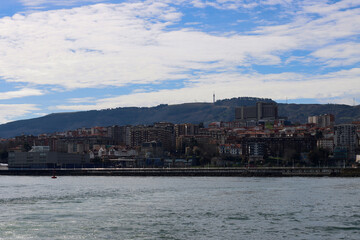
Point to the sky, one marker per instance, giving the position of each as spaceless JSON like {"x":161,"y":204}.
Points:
{"x":77,"y":55}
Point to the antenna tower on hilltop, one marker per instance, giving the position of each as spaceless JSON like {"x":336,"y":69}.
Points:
{"x":214,"y":97}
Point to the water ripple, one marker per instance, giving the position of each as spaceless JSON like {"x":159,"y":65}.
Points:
{"x":178,"y":208}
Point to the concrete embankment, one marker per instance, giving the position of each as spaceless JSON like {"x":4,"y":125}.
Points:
{"x":188,"y":172}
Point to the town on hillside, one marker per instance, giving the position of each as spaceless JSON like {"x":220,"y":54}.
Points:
{"x":256,"y":137}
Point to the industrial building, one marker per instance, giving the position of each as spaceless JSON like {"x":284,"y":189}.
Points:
{"x":41,"y":157}
{"x":262,"y":111}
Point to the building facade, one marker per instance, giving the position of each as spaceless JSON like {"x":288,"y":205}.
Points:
{"x":322,"y":121}
{"x":261,"y":111}
{"x":41,"y":157}
{"x":345,"y":137}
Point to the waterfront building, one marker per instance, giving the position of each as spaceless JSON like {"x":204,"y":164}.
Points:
{"x":345,"y":137}
{"x":256,"y":149}
{"x":326,"y":143}
{"x":41,"y":157}
{"x":200,"y":141}
{"x":234,"y":150}
{"x":152,"y":149}
{"x":276,"y":146}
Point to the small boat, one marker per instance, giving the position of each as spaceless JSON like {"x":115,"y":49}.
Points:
{"x":53,"y":176}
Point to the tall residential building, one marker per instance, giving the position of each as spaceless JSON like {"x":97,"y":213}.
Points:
{"x":187,"y":129}
{"x":345,"y":137}
{"x":160,"y":132}
{"x":121,"y":134}
{"x":326,"y":120}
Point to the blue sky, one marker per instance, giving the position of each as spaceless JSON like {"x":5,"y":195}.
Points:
{"x":75,"y":55}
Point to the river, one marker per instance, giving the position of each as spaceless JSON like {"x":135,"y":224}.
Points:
{"x":179,"y":208}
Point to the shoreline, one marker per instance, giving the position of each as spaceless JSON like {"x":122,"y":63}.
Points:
{"x":189,"y":172}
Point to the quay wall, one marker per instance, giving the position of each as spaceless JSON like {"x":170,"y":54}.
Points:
{"x":191,"y":172}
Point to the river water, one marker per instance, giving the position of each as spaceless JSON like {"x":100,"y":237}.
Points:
{"x":179,"y":208}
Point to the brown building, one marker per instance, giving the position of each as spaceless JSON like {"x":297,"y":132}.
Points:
{"x":159,"y":132}
{"x":186,"y":129}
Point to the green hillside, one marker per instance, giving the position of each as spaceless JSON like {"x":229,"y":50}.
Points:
{"x":222,"y":110}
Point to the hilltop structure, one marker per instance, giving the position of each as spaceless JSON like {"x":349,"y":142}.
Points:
{"x":262,"y":111}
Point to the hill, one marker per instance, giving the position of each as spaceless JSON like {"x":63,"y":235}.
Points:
{"x":222,"y":110}
{"x":300,"y":112}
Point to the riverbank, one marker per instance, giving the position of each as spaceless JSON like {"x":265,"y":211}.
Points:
{"x":189,"y":172}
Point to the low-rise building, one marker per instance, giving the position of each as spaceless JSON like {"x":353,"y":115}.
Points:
{"x":230,"y":150}
{"x":41,"y":157}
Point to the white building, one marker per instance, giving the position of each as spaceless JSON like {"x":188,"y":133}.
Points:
{"x":326,"y":120}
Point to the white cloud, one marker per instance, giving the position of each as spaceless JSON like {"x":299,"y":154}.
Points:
{"x":25,"y":92}
{"x":324,"y":7}
{"x":343,"y":54}
{"x":9,"y":112}
{"x":105,"y":45}
{"x":81,"y":100}
{"x":219,"y":4}
{"x":91,"y":46}
{"x":325,"y":36}
{"x":311,"y":34}
{"x":347,"y":100}
{"x":36,"y":3}
{"x":235,"y":4}
{"x":119,"y":44}
{"x":115,"y":45}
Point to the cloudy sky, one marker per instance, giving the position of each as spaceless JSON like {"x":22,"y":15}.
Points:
{"x":74,"y":55}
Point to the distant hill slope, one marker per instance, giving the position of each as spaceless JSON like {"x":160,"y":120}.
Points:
{"x":300,"y":112}
{"x":222,"y":110}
